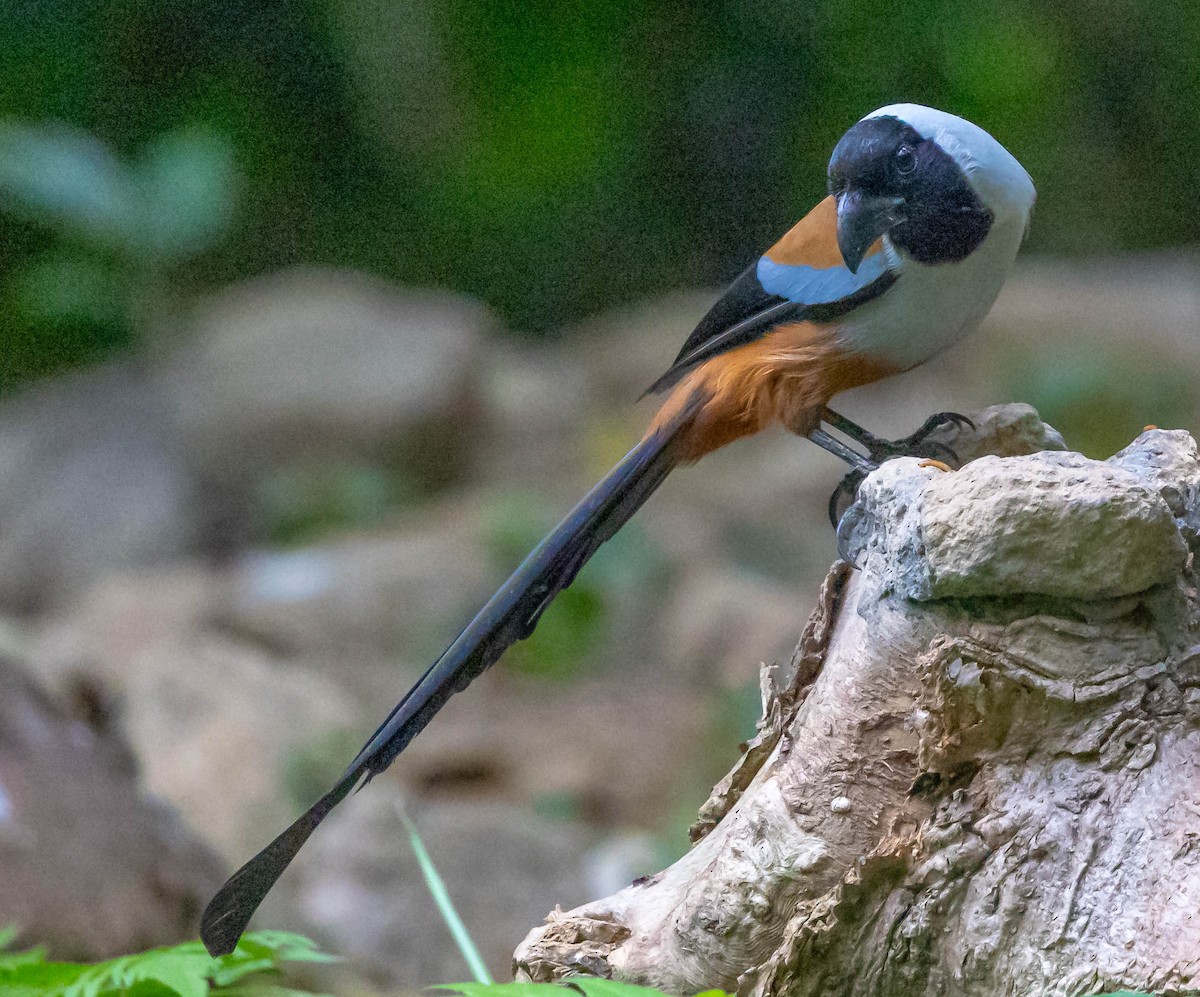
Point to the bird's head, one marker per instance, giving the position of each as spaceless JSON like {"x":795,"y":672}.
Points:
{"x":933,"y":183}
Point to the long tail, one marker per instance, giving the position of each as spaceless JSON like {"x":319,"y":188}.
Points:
{"x":510,"y":615}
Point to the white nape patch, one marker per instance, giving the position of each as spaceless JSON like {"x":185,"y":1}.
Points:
{"x":993,"y":171}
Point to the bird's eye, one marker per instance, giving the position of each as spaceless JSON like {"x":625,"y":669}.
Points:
{"x":905,"y":160}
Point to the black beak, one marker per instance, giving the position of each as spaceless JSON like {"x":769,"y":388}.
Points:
{"x":861,"y":219}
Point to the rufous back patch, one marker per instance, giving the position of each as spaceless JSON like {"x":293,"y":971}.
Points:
{"x":784,"y":377}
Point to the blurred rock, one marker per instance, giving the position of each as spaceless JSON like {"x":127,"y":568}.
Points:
{"x":616,"y":747}
{"x":216,"y":720}
{"x":617,"y":861}
{"x":320,"y":368}
{"x":540,"y":402}
{"x":1142,"y":299}
{"x":232,"y":735}
{"x":89,"y":483}
{"x":288,"y":382}
{"x":399,"y":594}
{"x":358,"y":890}
{"x":723,"y":622}
{"x":89,"y":864}
{"x":627,"y":347}
{"x":244,"y":689}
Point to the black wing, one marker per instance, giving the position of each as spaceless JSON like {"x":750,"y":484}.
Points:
{"x":747,"y":311}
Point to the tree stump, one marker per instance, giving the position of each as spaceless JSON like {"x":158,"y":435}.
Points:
{"x":980,"y":772}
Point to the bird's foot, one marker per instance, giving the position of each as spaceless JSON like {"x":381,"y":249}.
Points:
{"x":919,"y":444}
{"x":916,"y":444}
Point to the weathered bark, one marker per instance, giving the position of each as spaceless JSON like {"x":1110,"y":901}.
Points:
{"x":981,"y":772}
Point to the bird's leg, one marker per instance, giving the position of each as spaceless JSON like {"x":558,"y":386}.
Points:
{"x":839,"y":449}
{"x":916,"y":444}
{"x":860,"y":467}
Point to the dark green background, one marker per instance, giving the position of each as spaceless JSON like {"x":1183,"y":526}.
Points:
{"x":556,"y":157}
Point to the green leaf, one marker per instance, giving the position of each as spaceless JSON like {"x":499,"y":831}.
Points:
{"x":57,"y":174}
{"x":36,"y":978}
{"x":259,"y":951}
{"x":185,"y":181}
{"x":10,"y":960}
{"x":181,"y":970}
{"x":593,"y":986}
{"x":596,"y":987}
{"x":263,"y":951}
{"x":176,"y":202}
{"x":287,"y":946}
{"x":177,"y":971}
{"x":441,"y":897}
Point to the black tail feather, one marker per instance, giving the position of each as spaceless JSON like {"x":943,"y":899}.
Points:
{"x":510,"y":615}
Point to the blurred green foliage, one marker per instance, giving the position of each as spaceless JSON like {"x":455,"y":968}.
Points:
{"x":572,"y":627}
{"x":310,"y":768}
{"x":294,"y":505}
{"x":1090,"y":397}
{"x":118,"y":230}
{"x":551,"y":158}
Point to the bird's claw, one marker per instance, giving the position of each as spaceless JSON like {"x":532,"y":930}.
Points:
{"x":940,"y":419}
{"x":847,"y":488}
{"x":918,"y":444}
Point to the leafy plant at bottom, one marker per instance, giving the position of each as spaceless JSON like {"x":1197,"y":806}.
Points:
{"x":184,"y":970}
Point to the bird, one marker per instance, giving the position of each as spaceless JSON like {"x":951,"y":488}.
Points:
{"x":924,"y":216}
